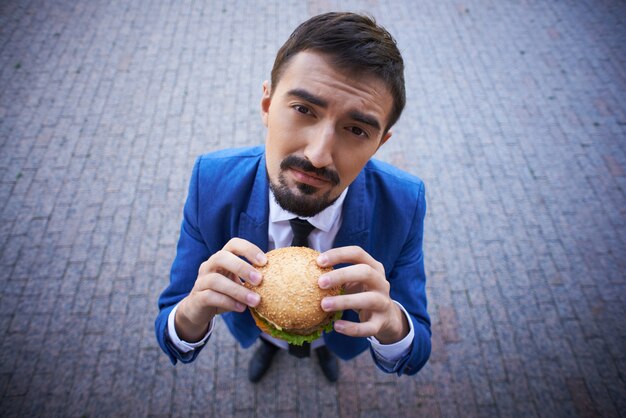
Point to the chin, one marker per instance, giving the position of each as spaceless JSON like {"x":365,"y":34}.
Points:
{"x":301,"y":204}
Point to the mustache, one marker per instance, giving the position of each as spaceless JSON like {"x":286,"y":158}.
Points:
{"x":304,"y":165}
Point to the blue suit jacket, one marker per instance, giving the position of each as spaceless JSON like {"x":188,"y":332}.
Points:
{"x":383,"y":213}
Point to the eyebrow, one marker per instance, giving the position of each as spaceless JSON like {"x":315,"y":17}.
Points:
{"x":318,"y":101}
{"x":366,"y":119}
{"x":309,"y":97}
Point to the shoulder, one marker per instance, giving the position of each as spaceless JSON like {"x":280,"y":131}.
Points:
{"x":227,"y":170}
{"x":228,"y":164}
{"x":246,"y":155}
{"x":384,"y":175}
{"x":395,"y":207}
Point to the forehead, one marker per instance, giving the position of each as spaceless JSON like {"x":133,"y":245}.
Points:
{"x":316,"y":72}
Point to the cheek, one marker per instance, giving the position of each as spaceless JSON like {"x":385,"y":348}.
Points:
{"x":272,"y":154}
{"x":281,"y":132}
{"x":352,"y":157}
{"x":349,"y":166}
{"x":273,"y":159}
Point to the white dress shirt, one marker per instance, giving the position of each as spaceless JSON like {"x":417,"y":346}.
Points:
{"x":327,"y":224}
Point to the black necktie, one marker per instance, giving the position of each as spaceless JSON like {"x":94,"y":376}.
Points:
{"x":301,"y":230}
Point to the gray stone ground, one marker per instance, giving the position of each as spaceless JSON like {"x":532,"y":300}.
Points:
{"x":516,"y":121}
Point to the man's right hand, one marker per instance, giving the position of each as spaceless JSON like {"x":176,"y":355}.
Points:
{"x":218,"y":288}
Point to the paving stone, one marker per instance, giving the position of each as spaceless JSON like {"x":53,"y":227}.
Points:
{"x":515,"y":125}
{"x":161,"y":397}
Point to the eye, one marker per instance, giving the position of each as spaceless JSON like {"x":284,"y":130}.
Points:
{"x":358,"y":131}
{"x":302,"y":109}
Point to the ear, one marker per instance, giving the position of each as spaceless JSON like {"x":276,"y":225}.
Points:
{"x":385,"y":139}
{"x":266,"y":100}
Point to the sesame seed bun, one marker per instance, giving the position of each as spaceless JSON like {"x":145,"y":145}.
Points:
{"x":290,"y":295}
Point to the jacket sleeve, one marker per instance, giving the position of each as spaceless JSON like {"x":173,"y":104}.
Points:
{"x":408,"y":287}
{"x":190,"y":253}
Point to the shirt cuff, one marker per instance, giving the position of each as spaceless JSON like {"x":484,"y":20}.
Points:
{"x":184,"y":346}
{"x":394,"y":352}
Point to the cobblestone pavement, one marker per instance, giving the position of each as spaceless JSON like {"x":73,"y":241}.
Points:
{"x":516,"y":121}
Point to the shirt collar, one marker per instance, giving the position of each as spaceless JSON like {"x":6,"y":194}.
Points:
{"x":323,"y":220}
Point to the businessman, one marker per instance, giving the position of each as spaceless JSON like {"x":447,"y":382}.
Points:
{"x":336,"y":89}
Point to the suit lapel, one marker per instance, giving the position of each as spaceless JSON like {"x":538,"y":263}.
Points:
{"x":356,"y":215}
{"x":253,"y":222}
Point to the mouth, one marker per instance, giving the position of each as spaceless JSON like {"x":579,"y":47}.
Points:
{"x":308,"y":178}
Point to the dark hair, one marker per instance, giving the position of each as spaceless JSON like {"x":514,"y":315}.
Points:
{"x":355,"y":43}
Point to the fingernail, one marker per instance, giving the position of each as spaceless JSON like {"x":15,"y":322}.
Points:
{"x":239,"y":307}
{"x":323,"y":281}
{"x":261,"y":259}
{"x":327,"y":304}
{"x":253,"y":299}
{"x":339,"y":326}
{"x":322,"y":260}
{"x":255,"y":277}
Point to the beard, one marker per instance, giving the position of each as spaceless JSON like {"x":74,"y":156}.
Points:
{"x":303,"y":202}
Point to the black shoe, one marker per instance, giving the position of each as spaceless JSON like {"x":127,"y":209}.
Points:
{"x":328,"y":363}
{"x":261,"y":360}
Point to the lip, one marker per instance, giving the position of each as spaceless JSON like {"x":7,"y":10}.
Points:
{"x":308,"y":178}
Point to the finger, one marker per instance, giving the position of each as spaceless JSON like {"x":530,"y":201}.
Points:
{"x":220,"y":302}
{"x":236,"y":292}
{"x":349,"y":255}
{"x":227,"y":296}
{"x":214,"y":283}
{"x":244,"y":248}
{"x":357,"y":329}
{"x":227,"y":263}
{"x":364,"y":274}
{"x":371,"y":301}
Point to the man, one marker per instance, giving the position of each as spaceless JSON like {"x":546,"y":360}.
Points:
{"x":337,"y":86}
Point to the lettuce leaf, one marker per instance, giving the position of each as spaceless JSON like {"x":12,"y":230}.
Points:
{"x":300,"y":339}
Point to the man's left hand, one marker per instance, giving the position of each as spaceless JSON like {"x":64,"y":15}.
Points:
{"x":366,"y":291}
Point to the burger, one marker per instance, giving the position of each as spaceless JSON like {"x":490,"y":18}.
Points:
{"x":290,"y":307}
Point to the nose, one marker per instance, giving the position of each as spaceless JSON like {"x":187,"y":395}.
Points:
{"x":319,"y":150}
